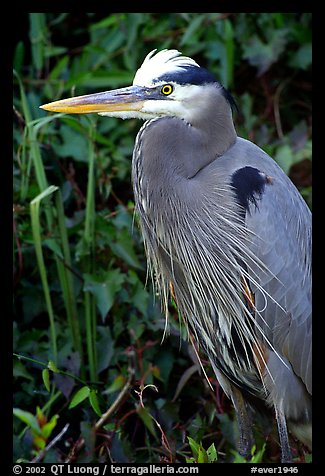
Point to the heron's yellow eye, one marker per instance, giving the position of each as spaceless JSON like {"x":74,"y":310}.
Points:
{"x":167,"y":89}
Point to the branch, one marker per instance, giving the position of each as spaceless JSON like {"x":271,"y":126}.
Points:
{"x":105,"y":416}
{"x":58,"y":437}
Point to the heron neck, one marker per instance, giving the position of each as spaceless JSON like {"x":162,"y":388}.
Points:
{"x":173,"y":149}
{"x":208,"y":142}
{"x":213,"y":125}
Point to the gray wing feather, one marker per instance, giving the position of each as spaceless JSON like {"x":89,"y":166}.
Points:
{"x":281,"y":228}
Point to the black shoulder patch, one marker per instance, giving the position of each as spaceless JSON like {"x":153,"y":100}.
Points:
{"x":249,"y":184}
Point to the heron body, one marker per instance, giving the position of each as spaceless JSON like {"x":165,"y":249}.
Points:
{"x":225,"y":231}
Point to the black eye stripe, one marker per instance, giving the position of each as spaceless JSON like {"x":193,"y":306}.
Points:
{"x":167,"y":89}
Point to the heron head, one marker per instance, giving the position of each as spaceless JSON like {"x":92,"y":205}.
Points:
{"x":166,"y":84}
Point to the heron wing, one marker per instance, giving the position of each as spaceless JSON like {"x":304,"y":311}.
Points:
{"x":280,"y":222}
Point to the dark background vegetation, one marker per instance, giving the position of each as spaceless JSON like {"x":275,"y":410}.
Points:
{"x":87,"y":331}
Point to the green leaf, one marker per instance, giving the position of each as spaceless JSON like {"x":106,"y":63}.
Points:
{"x":49,"y":427}
{"x":191,"y":29}
{"x":302,"y":58}
{"x":284,"y":157}
{"x":185,"y":378}
{"x":105,"y":347}
{"x":165,"y":362}
{"x":117,"y":384}
{"x":20,"y":370}
{"x":59,"y":68}
{"x":258,"y":457}
{"x":41,"y":418}
{"x":104,"y":289}
{"x":194,"y":447}
{"x":88,"y":434}
{"x":39,"y":442}
{"x":46,"y":379}
{"x":53,"y":50}
{"x":229,"y":428}
{"x":263,"y":55}
{"x":308,"y":458}
{"x":19,"y":57}
{"x":74,"y":145}
{"x":105,"y":23}
{"x":147,"y":420}
{"x":36,"y":230}
{"x":202,"y":456}
{"x":37,"y":38}
{"x":29,"y":419}
{"x":94,"y":402}
{"x":137,"y":326}
{"x":212,"y":453}
{"x":124,"y":249}
{"x":237,"y":457}
{"x":139,"y":297}
{"x":113,"y":78}
{"x":54,"y":246}
{"x":79,"y":396}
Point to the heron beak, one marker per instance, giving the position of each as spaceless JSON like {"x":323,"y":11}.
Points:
{"x":124,"y":99}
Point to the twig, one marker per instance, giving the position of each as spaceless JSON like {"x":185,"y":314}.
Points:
{"x":54,"y":370}
{"x":58,"y":437}
{"x":115,"y":404}
{"x":164,"y":440}
{"x":105,"y":416}
{"x":142,"y":388}
{"x":276,"y":108}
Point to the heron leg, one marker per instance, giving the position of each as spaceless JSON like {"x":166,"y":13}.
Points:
{"x":286,"y":456}
{"x":246,"y":438}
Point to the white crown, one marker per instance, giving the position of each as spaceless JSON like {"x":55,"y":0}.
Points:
{"x":156,"y":65}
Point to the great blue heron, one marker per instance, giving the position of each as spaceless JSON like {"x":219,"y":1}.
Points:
{"x":225,"y":232}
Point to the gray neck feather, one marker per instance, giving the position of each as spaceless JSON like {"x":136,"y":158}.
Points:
{"x":172,"y":148}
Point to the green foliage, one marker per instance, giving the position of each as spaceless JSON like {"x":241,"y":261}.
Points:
{"x":79,"y":396}
{"x":46,"y":379}
{"x":257,"y":456}
{"x":200,"y":455}
{"x":87,"y":331}
{"x":39,"y":426}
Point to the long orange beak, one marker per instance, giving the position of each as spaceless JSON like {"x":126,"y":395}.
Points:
{"x":124,"y":99}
